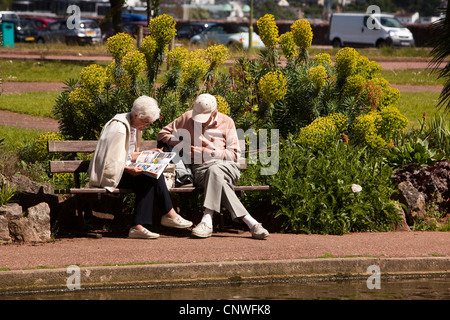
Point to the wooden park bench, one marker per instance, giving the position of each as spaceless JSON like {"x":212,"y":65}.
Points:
{"x":78,"y":166}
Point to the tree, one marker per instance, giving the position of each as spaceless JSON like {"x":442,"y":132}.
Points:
{"x":279,"y":12}
{"x":116,"y":14}
{"x":439,"y":53}
{"x":5,"y":4}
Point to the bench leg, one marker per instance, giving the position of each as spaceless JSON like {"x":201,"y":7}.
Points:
{"x":84,"y":213}
{"x":79,"y":212}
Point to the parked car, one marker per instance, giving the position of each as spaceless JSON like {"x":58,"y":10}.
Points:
{"x":130,"y":28}
{"x":131,"y":17}
{"x":88,"y":33}
{"x":352,"y":29}
{"x":24,"y":30}
{"x":231,"y":35}
{"x":191,"y":29}
{"x":42,"y":23}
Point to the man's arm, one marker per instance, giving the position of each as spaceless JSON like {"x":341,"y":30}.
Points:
{"x":168,"y":134}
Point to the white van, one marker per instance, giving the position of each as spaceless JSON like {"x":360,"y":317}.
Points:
{"x":8,"y":15}
{"x":354,"y":29}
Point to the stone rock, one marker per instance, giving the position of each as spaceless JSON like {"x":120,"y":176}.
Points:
{"x":30,"y":193}
{"x":8,"y":212}
{"x":4,"y":230}
{"x":39,"y":216}
{"x":402,"y":225}
{"x":34,"y":227}
{"x":413,"y":200}
{"x":11,"y":211}
{"x":24,"y":184}
{"x":21,"y":230}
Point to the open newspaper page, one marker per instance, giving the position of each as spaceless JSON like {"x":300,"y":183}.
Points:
{"x":153,"y":162}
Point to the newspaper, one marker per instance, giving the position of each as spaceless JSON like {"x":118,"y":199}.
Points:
{"x":153,"y":162}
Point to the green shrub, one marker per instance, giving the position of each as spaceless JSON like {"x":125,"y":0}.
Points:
{"x":322,"y":131}
{"x":413,"y":151}
{"x":317,"y":192}
{"x":379,"y":127}
{"x":7,"y":192}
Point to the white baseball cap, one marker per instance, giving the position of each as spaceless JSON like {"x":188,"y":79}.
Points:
{"x":204,"y":106}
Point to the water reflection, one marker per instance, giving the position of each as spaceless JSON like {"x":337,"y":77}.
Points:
{"x":401,"y":289}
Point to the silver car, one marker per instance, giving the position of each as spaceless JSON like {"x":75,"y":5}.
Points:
{"x":88,"y":32}
{"x":230,"y":35}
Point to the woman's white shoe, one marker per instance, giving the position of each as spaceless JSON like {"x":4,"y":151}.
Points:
{"x":142,"y":234}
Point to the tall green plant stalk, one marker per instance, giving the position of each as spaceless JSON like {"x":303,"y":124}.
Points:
{"x":439,"y":54}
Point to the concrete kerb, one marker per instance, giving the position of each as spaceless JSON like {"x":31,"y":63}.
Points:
{"x":210,"y":273}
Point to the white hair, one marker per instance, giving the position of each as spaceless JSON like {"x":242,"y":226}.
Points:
{"x":146,"y":107}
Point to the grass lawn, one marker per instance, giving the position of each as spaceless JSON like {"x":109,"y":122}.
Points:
{"x":416,"y":77}
{"x":14,"y":138}
{"x":40,"y":71}
{"x":33,"y":103}
{"x":413,"y":104}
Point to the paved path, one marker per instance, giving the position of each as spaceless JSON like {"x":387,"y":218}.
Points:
{"x":13,"y":119}
{"x":223,"y":247}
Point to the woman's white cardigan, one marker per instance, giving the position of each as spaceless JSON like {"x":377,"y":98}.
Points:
{"x":110,"y":156}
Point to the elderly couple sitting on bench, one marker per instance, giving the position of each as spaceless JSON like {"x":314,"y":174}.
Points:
{"x":214,"y":152}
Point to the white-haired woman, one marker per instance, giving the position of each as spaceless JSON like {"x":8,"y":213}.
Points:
{"x":110,"y":168}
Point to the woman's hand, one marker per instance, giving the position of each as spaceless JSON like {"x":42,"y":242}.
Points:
{"x":134,"y":171}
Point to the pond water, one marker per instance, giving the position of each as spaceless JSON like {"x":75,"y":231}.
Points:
{"x":390,"y":289}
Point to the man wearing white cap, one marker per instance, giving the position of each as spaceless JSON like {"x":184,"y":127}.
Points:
{"x":214,"y":154}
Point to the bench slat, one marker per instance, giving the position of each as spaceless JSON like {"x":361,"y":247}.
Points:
{"x":69,"y":166}
{"x":173,"y":190}
{"x":88,"y":145}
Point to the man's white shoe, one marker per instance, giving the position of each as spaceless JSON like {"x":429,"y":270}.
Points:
{"x":142,"y":234}
{"x":202,"y":230}
{"x":178,"y":222}
{"x":258,"y":232}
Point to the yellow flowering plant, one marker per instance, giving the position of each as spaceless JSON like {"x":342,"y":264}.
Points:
{"x":322,"y":131}
{"x":93,"y":78}
{"x":216,"y":55}
{"x":268,"y":30}
{"x":118,"y":76}
{"x":377,"y":128}
{"x":80,"y":98}
{"x":288,"y":45}
{"x":318,"y":76}
{"x":354,"y":85}
{"x":302,"y":32}
{"x":323,"y":59}
{"x":195,"y":66}
{"x":272,"y":86}
{"x":366,"y":68}
{"x":345,"y":62}
{"x":134,"y":63}
{"x":222,"y":105}
{"x":119,"y":45}
{"x":39,"y":147}
{"x":162,"y":29}
{"x":177,"y":56}
{"x":193,"y":74}
{"x":148,"y":48}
